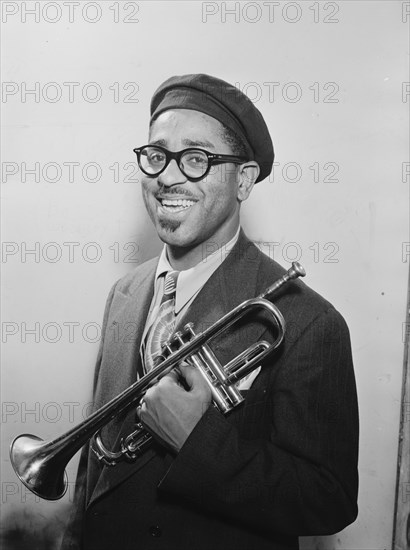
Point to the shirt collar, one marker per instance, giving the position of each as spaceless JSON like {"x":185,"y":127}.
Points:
{"x":190,"y":281}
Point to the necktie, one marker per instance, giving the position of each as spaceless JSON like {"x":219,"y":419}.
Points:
{"x":163,"y":325}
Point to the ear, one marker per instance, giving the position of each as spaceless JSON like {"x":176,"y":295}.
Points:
{"x":247,"y":175}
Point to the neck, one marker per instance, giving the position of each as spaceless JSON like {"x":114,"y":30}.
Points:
{"x":182,"y":259}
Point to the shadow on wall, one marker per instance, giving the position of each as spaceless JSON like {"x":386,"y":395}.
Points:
{"x":26,"y":530}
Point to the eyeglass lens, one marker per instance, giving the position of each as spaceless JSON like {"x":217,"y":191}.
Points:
{"x":193,"y":163}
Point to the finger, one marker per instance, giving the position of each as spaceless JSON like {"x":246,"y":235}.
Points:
{"x":173,"y":375}
{"x":179,"y":378}
{"x":140,"y":406}
{"x":189,"y":373}
{"x":164,"y":386}
{"x":195,"y":381}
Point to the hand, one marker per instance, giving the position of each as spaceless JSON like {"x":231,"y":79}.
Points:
{"x":170,"y":411}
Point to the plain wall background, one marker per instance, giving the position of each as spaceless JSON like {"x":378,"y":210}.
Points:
{"x":332,"y":95}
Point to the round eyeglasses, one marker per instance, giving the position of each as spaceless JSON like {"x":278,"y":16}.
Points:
{"x":194,"y":163}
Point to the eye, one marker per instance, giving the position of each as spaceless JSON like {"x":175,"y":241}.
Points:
{"x":155,"y":156}
{"x":196,"y":158}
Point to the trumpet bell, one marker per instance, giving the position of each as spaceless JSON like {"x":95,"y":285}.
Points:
{"x":31,"y":460}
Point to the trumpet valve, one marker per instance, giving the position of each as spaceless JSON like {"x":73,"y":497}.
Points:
{"x":189,"y":329}
{"x":178,"y":338}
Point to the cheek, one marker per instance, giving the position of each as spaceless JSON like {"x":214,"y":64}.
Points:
{"x":144,"y":196}
{"x":221,"y":198}
{"x":146,"y":191}
{"x":145,"y":184}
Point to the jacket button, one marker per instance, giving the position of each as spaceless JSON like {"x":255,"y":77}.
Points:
{"x":155,"y":531}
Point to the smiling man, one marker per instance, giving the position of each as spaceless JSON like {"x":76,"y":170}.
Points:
{"x":284,"y":463}
{"x":188,"y":206}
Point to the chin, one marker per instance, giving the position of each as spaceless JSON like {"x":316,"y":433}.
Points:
{"x":174,"y":238}
{"x":168,"y":226}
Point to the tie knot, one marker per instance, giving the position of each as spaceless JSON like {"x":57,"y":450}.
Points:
{"x":170,"y":283}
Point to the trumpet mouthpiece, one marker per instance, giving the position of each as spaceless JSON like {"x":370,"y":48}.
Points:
{"x":297,"y":270}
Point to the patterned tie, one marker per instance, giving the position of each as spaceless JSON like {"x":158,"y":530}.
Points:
{"x":163,"y":326}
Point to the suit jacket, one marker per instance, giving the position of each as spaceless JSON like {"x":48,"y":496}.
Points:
{"x":281,"y":465}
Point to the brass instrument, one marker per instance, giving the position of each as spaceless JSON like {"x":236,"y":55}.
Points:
{"x":41,"y":465}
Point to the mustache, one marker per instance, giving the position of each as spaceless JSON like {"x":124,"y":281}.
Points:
{"x":180,"y":191}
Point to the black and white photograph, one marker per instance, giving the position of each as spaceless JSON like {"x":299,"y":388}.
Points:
{"x":205,"y":306}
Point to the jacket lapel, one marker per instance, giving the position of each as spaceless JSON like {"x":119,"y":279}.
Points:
{"x":118,"y":371}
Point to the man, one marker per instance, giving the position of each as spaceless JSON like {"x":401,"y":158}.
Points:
{"x":284,"y":463}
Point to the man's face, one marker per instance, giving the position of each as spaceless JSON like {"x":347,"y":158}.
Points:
{"x":187,"y":214}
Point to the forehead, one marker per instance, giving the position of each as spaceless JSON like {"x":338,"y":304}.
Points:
{"x":188,"y":127}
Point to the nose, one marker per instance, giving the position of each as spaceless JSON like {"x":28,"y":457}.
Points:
{"x":172,"y":175}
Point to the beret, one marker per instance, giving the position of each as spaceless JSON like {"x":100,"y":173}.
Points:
{"x":225,"y":103}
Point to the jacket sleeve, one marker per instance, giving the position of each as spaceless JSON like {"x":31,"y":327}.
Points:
{"x":301,"y":477}
{"x":72,"y":535}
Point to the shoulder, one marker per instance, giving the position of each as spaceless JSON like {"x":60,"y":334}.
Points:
{"x":130,"y":283}
{"x":299,"y":303}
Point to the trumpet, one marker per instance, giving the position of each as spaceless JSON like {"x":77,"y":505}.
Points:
{"x":40,"y":465}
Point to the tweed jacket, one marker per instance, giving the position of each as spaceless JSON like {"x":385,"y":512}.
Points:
{"x":281,"y":465}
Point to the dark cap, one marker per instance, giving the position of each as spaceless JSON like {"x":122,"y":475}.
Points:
{"x":224,"y":102}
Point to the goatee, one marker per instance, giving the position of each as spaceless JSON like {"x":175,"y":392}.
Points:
{"x":170,"y":225}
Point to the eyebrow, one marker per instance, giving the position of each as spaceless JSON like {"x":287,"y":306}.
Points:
{"x":198,"y":143}
{"x":188,"y":142}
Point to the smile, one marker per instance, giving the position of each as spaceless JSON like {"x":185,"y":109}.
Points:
{"x":176,"y":205}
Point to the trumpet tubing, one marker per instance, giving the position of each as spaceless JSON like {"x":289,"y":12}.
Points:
{"x":40,"y":465}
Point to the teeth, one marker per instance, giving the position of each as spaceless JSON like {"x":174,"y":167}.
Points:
{"x":185,"y":203}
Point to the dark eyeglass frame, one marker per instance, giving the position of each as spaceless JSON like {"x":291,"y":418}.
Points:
{"x":213,"y":159}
